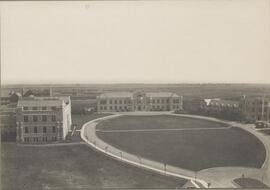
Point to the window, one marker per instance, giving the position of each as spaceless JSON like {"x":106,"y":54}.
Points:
{"x":158,"y":101}
{"x":115,"y":101}
{"x":35,"y":139}
{"x":102,"y":101}
{"x":53,"y":129}
{"x":162,"y":101}
{"x":53,"y":118}
{"x":44,"y":139}
{"x":111,"y":101}
{"x":26,"y":130}
{"x":120,"y":101}
{"x":44,"y":118}
{"x":54,"y":138}
{"x":35,"y":118}
{"x":44,"y":108}
{"x":176,"y":101}
{"x":25,"y":108}
{"x":35,"y":129}
{"x":53,"y":107}
{"x":25,"y":118}
{"x":34,"y":108}
{"x":111,"y":108}
{"x":44,"y":129}
{"x":153,"y":101}
{"x":26,"y":139}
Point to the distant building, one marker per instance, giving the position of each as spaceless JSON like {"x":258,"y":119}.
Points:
{"x":217,"y":105}
{"x":219,"y":108}
{"x":10,"y":97}
{"x":43,"y":119}
{"x":138,"y":101}
{"x":8,"y":122}
{"x":255,"y":108}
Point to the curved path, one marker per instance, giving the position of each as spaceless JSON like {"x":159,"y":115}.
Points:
{"x":219,"y":177}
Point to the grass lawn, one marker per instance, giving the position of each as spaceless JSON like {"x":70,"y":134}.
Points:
{"x":194,"y":150}
{"x":155,"y":122}
{"x":80,"y":119}
{"x":250,"y":183}
{"x":74,"y":166}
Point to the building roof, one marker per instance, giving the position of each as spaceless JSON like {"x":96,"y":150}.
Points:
{"x":116,"y":95}
{"x":42,"y":101}
{"x":161,"y":94}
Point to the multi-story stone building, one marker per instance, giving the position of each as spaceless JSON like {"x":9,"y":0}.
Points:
{"x":43,"y":119}
{"x":139,"y":101}
{"x":255,"y":108}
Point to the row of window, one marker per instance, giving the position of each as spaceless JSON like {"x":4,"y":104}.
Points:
{"x":35,"y":118}
{"x":126,"y":108}
{"x":116,"y":102}
{"x":41,"y":139}
{"x":175,"y":101}
{"x":39,"y":108}
{"x":35,"y":129}
{"x":115,"y":108}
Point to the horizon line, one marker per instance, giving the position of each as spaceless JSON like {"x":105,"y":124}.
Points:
{"x":134,"y":83}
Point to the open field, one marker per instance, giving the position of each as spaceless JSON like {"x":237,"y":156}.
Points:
{"x":190,"y":149}
{"x":188,"y":90}
{"x":156,"y":122}
{"x":74,"y":166}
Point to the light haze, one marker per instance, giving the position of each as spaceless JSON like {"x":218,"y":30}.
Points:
{"x":136,"y":41}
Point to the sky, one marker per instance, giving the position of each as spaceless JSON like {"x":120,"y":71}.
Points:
{"x":196,"y":41}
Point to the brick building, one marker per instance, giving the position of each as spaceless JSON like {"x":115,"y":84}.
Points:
{"x":43,"y":119}
{"x":138,"y":101}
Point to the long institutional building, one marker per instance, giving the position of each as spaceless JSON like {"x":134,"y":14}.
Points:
{"x":43,"y":119}
{"x":139,"y":101}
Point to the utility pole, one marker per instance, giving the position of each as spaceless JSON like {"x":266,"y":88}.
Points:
{"x":263,"y":107}
{"x":268,"y":108}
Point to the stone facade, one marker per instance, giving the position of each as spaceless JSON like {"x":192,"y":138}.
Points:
{"x":139,"y":101}
{"x":43,"y":119}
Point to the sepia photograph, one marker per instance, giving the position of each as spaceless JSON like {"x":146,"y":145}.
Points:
{"x":135,"y":94}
